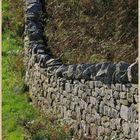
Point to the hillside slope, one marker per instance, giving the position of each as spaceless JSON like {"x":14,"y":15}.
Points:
{"x":92,"y":31}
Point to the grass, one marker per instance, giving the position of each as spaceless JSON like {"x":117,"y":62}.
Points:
{"x":20,"y":120}
{"x":17,"y":113}
{"x":14,"y":102}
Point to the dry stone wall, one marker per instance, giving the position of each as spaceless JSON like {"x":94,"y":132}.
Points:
{"x":100,"y":101}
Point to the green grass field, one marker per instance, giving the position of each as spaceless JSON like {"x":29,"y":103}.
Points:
{"x":20,"y":120}
{"x":15,"y":107}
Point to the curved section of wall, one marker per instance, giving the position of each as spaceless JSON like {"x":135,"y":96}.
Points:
{"x":101,"y":100}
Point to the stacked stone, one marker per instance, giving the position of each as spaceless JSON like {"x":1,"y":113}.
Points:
{"x":36,"y":52}
{"x":97,"y":109}
{"x":106,"y":72}
{"x":100,"y":99}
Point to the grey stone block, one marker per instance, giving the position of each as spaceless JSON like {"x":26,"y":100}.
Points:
{"x":130,"y":97}
{"x":126,"y":128}
{"x":124,"y":102}
{"x":71,"y":71}
{"x":136,"y":98}
{"x":124,"y":112}
{"x":132,"y":73}
{"x":105,"y":121}
{"x":91,"y":84}
{"x":59,"y":72}
{"x":114,"y":113}
{"x":91,"y":70}
{"x":123,"y":95}
{"x":101,"y":131}
{"x":103,"y":72}
{"x":68,"y":87}
{"x":93,"y":129}
{"x":80,"y":69}
{"x":113,"y":124}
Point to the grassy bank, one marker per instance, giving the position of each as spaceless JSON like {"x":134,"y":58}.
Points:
{"x":20,"y":120}
{"x":13,"y":100}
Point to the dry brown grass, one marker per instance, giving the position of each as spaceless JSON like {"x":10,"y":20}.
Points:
{"x":82,"y":30}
